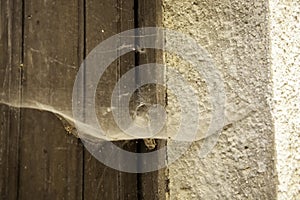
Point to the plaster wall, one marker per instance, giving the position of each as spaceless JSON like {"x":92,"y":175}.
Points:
{"x":285,"y":46}
{"x":242,"y":164}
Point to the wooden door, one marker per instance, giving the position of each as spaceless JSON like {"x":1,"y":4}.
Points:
{"x":42,"y":45}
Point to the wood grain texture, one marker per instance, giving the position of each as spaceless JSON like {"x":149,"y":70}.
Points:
{"x":104,"y":20}
{"x":42,"y":44}
{"x":10,"y":84}
{"x":50,"y":160}
{"x":152,"y":184}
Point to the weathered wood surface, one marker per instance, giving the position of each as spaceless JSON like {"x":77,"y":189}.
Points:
{"x":10,"y":80}
{"x":50,"y":160}
{"x":152,"y":184}
{"x":42,"y":44}
{"x":102,"y":21}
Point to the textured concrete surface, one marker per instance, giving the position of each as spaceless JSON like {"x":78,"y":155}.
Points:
{"x":242,"y":164}
{"x":285,"y":40}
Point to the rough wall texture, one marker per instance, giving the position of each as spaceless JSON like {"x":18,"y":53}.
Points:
{"x":242,"y":164}
{"x":285,"y":40}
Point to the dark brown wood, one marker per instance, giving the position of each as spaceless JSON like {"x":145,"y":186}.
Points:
{"x":105,"y":19}
{"x":10,"y":82}
{"x":42,"y":45}
{"x":152,"y":184}
{"x":50,"y":160}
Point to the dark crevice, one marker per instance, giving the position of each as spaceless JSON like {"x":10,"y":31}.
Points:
{"x":118,"y":74}
{"x":83,"y":49}
{"x":137,"y":79}
{"x":21,"y":75}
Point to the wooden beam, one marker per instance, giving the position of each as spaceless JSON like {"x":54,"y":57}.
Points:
{"x":50,"y":160}
{"x":103,"y":20}
{"x":152,"y":185}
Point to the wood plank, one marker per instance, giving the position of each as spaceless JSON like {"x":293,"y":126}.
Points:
{"x":10,"y":81}
{"x":105,"y":19}
{"x":152,"y":185}
{"x":50,"y":160}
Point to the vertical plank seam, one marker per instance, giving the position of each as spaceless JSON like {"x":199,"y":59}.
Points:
{"x":84,"y":80}
{"x":8,"y":65}
{"x":20,"y":89}
{"x":118,"y":76}
{"x":137,"y":78}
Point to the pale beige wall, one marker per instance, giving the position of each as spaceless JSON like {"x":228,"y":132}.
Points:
{"x":285,"y":43}
{"x":242,"y":164}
